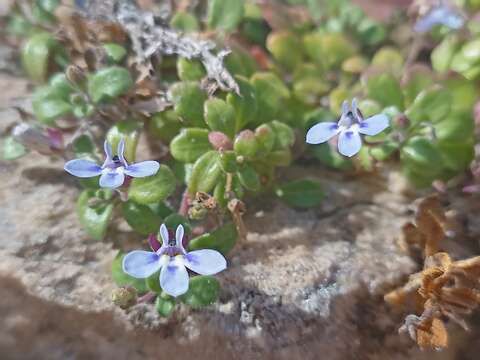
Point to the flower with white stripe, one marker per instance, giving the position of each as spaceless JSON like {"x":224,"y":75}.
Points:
{"x":172,"y":260}
{"x":349,"y":128}
{"x":114,"y":168}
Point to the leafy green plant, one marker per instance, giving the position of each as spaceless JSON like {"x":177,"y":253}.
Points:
{"x":222,"y":124}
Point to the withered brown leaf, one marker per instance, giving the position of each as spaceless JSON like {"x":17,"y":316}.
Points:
{"x":444,"y":289}
{"x":429,"y":228}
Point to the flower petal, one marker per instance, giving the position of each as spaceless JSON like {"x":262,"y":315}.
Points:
{"x":82,"y":168}
{"x":373,"y":125}
{"x":112,"y":179}
{"x":453,"y":20}
{"x":205,"y":261}
{"x":108,"y":151}
{"x":322,"y":132}
{"x":345,"y":107}
{"x":439,"y":15}
{"x":349,"y":142}
{"x":141,"y":264}
{"x":142,"y":169}
{"x":164,"y":235}
{"x":179,"y":236}
{"x":120,"y":151}
{"x":354,"y":106}
{"x":174,"y":278}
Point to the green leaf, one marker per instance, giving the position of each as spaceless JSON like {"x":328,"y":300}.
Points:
{"x":228,"y":161}
{"x":369,"y":107}
{"x":95,"y":220}
{"x":331,"y":157}
{"x":36,"y":55}
{"x":245,"y":105}
{"x":109,"y":83}
{"x":172,"y":221}
{"x":328,"y":50}
{"x":18,"y":26}
{"x":464,"y":94}
{"x":282,"y":157}
{"x":153,"y":282}
{"x":457,"y":156}
{"x":222,"y":239}
{"x":270,"y":93}
{"x":384,"y":151}
{"x":202,"y":291}
{"x":420,"y":155}
{"x":419,"y":78}
{"x":140,"y":218}
{"x":122,"y":279}
{"x":165,"y":304}
{"x":161,"y":209}
{"x":280,"y":44}
{"x":371,"y":33}
{"x":219,"y":192}
{"x":184,"y":21}
{"x":60,"y":86}
{"x":248,"y":177}
{"x":188,"y":99}
{"x":240,"y":62}
{"x":284,"y":135}
{"x":205,"y":173}
{"x":153,"y":189}
{"x":48,"y":5}
{"x":303,"y":193}
{"x":11,"y":149}
{"x":224,"y":14}
{"x":48,"y":106}
{"x":190,"y":70}
{"x":83,"y":145}
{"x":129,"y":132}
{"x":389,"y":58}
{"x":190,"y":144}
{"x":431,"y":104}
{"x":246,"y":144}
{"x":220,"y":116}
{"x":115,"y":53}
{"x":443,"y":54}
{"x":266,"y":137}
{"x":455,"y":128}
{"x":385,"y":88}
{"x":165,"y":125}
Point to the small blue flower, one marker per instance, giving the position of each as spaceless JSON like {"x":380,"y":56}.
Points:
{"x":441,"y":14}
{"x":172,"y":260}
{"x":350,"y":126}
{"x":114,"y":168}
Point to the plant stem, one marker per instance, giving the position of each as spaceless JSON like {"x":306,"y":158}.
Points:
{"x":184,"y":204}
{"x":147,"y":298}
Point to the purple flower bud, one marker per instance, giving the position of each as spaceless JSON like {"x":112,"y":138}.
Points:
{"x":219,"y":140}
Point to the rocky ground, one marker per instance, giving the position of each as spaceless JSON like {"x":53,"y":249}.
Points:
{"x":304,"y":284}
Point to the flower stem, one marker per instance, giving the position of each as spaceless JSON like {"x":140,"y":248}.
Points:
{"x":184,"y":204}
{"x":147,"y":298}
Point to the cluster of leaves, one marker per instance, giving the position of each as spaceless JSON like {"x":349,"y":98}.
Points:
{"x":444,"y":289}
{"x":220,"y":142}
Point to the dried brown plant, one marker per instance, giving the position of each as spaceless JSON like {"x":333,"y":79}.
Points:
{"x":444,"y":289}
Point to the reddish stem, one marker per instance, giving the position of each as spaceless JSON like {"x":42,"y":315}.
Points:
{"x":184,"y":204}
{"x":147,"y":298}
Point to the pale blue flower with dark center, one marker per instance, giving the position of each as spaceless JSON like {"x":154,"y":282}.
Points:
{"x":349,"y":128}
{"x":112,"y":172}
{"x":440,"y":14}
{"x":172,"y":260}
